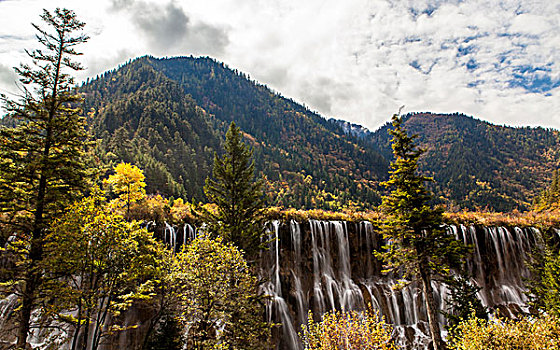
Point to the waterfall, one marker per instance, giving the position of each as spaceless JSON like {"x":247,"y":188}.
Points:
{"x":170,"y":235}
{"x":301,"y":303}
{"x":273,"y":288}
{"x":326,"y":265}
{"x":319,"y":266}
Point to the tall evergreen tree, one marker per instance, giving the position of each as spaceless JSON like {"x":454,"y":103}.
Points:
{"x":544,"y":284}
{"x":42,"y":159}
{"x":463,"y":301}
{"x":238,"y":215}
{"x":418,"y":245}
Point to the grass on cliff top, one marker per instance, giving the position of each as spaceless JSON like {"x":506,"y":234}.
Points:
{"x":160,"y":209}
{"x":541,"y":219}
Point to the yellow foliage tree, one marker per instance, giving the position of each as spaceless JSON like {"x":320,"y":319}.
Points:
{"x":128,"y":183}
{"x":348,"y":330}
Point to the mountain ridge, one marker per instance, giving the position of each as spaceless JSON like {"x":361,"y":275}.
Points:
{"x":169,"y":116}
{"x":307,"y":161}
{"x":480,"y":165}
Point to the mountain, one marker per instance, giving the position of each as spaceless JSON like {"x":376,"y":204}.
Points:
{"x":476,"y":164}
{"x":356,"y":130}
{"x":168,"y":116}
{"x":140,"y":116}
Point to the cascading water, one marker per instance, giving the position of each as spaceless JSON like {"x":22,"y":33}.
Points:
{"x":273,"y":288}
{"x":320,"y":266}
{"x":323,"y":265}
{"x":171,"y":233}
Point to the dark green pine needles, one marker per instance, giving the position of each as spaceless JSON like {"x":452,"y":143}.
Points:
{"x":237,"y":195}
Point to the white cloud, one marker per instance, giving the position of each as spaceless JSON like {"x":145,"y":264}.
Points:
{"x":358,"y":60}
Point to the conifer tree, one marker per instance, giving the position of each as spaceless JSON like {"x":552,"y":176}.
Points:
{"x":463,"y":302}
{"x":418,"y":245}
{"x":42,"y":167}
{"x":544,"y":284}
{"x":238,"y":216}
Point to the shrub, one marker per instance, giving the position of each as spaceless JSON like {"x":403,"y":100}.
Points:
{"x":348,"y":330}
{"x":506,"y":334}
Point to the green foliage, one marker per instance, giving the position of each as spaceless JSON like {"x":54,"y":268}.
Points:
{"x":238,"y":197}
{"x":96,"y":264}
{"x":417,"y":243}
{"x":221,"y":302}
{"x":348,"y":330}
{"x":477,"y":165}
{"x":463,"y":302}
{"x":506,"y":334}
{"x":414,"y":229}
{"x":42,"y":159}
{"x":550,"y":197}
{"x":544,"y":283}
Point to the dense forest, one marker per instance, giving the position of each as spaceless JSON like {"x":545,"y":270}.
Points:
{"x":169,"y":116}
{"x":477,"y":165}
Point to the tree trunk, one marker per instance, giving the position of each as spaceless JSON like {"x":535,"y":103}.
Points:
{"x":431,"y":308}
{"x":25,"y":315}
{"x":33,"y":279}
{"x":32,"y":282}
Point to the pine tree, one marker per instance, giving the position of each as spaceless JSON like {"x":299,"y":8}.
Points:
{"x":238,"y":216}
{"x":418,"y":245}
{"x":463,"y":301}
{"x":543,"y":287}
{"x":42,"y":167}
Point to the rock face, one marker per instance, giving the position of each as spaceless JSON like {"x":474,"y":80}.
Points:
{"x":320,"y":265}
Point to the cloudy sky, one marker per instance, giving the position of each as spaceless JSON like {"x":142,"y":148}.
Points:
{"x":358,"y":60}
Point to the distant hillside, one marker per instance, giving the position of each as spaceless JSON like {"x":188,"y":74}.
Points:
{"x":168,"y":116}
{"x":480,"y":165}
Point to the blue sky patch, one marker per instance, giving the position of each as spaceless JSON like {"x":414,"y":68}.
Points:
{"x":533,"y":79}
{"x":472,"y":65}
{"x":465,"y":50}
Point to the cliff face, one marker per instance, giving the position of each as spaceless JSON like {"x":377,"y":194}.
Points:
{"x":318,"y":266}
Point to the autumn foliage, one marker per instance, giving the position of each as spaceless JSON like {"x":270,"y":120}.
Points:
{"x":507,"y":334}
{"x":348,"y":330}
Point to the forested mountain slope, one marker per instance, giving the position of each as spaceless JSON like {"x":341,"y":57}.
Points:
{"x":480,"y":165}
{"x":168,"y":116}
{"x":142,"y":117}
